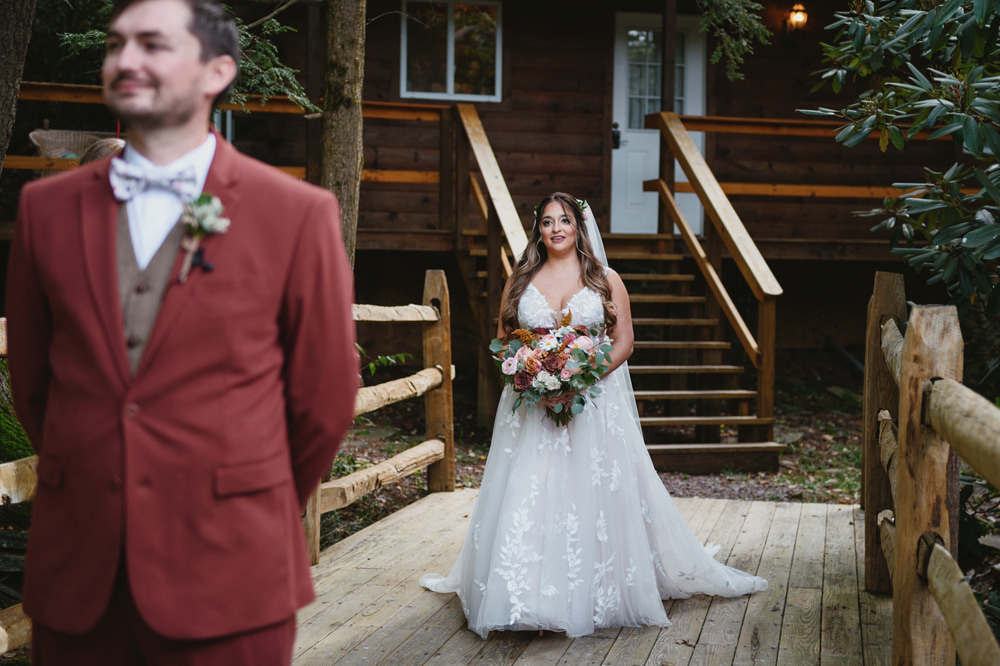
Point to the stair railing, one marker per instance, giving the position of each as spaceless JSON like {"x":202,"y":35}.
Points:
{"x":728,"y":228}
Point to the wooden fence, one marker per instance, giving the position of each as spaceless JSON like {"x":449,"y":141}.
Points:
{"x":918,"y":418}
{"x":18,"y":478}
{"x":437,"y":453}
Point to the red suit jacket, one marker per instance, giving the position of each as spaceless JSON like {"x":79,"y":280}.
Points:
{"x":196,"y":468}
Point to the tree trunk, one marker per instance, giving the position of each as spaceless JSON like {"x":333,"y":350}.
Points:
{"x":15,"y":31}
{"x":340,"y":171}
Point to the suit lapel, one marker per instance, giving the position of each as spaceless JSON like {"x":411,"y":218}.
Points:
{"x":98,"y":227}
{"x":221,"y":182}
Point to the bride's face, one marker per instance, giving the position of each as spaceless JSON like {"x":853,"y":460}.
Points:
{"x":558,"y":228}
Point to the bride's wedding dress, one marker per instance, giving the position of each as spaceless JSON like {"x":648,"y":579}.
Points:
{"x":573,"y":529}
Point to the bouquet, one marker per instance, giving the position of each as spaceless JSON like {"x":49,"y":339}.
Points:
{"x":563,"y":363}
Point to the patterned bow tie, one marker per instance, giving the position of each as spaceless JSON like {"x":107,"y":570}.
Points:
{"x":128,"y":180}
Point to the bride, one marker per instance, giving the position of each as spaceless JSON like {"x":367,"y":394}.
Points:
{"x":573,"y":529}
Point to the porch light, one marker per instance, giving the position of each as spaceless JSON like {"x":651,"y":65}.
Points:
{"x":797,"y":17}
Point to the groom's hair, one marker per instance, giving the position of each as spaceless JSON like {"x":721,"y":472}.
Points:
{"x":212,"y":25}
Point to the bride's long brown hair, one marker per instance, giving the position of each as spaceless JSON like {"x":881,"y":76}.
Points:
{"x":535,"y":255}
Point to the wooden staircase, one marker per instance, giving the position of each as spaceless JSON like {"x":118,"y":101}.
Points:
{"x":689,"y":380}
{"x":703,"y":381}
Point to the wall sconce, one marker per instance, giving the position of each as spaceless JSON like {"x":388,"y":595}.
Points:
{"x":794,"y":23}
{"x":796,"y":18}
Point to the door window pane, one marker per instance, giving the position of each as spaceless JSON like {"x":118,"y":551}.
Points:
{"x":645,"y":62}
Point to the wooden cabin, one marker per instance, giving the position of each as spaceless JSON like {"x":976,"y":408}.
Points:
{"x":474,"y":111}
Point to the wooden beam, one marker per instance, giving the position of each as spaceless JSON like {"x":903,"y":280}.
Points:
{"x":888,"y":446}
{"x":932,"y":348}
{"x":370,"y":398}
{"x":892,"y":349}
{"x":399,"y":176}
{"x":806,"y":191}
{"x":35,"y":163}
{"x":15,"y":628}
{"x":439,"y":415}
{"x":510,"y":221}
{"x":364,"y":312}
{"x":3,"y":337}
{"x":888,"y":302}
{"x":338,"y":493}
{"x":969,"y":423}
{"x":18,"y":480}
{"x":735,"y":236}
{"x":950,"y":588}
{"x":711,"y":277}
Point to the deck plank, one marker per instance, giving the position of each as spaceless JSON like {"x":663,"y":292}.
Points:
{"x":676,"y":644}
{"x":633,"y":646}
{"x":800,"y":629}
{"x":725,"y":615}
{"x":590,"y":650}
{"x":841,"y":625}
{"x":761,"y":631}
{"x":546,"y":650}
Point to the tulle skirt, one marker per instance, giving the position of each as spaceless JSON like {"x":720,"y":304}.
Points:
{"x":574,"y":531}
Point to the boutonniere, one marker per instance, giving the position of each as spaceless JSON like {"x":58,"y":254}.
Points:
{"x":201,"y":217}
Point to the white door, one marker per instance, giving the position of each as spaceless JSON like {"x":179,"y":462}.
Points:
{"x":638,"y":60}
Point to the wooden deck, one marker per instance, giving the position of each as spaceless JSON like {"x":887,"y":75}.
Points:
{"x":370,"y":609}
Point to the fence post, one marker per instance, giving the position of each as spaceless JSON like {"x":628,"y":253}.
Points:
{"x":888,"y":301}
{"x":439,"y":413}
{"x":310,"y":521}
{"x":932,"y":348}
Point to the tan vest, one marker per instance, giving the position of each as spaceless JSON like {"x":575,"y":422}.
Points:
{"x":141,"y":291}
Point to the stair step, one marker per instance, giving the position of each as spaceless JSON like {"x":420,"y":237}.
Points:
{"x":684,"y":369}
{"x":681,"y":344}
{"x":703,"y":420}
{"x":668,"y":321}
{"x":716,"y":447}
{"x":668,"y":277}
{"x":720,"y":394}
{"x":713,"y":458}
{"x":646,"y":256}
{"x":664,"y":298}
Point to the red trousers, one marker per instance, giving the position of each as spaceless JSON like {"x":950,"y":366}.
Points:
{"x":122,"y":638}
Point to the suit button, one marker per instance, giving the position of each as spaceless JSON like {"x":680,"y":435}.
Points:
{"x":141,"y":288}
{"x":133,"y":341}
{"x":114,"y":484}
{"x":131,"y":410}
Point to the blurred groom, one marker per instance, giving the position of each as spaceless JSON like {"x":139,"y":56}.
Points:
{"x":182,"y":358}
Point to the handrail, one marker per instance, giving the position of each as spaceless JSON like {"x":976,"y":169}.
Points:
{"x":496,"y":187}
{"x":731,"y":230}
{"x":711,"y":276}
{"x":912,"y":490}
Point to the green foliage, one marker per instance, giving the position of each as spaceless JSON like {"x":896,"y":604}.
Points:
{"x":977,"y":512}
{"x":735,"y":25}
{"x":382,"y":361}
{"x":934,"y":71}
{"x":261,"y":70}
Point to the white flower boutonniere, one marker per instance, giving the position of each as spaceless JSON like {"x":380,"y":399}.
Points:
{"x":201,"y":217}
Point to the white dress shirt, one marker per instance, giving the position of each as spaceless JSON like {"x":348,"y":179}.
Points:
{"x":154,"y":212}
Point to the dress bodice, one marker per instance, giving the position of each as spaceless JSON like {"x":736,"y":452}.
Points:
{"x":534,"y":312}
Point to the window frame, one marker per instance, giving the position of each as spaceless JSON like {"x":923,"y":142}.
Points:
{"x":450,"y":60}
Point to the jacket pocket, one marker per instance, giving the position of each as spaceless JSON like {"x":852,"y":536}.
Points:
{"x":252,"y":477}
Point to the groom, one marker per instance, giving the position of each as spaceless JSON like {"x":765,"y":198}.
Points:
{"x":185,"y":387}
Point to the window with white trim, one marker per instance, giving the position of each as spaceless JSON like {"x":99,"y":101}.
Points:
{"x":451,"y":50}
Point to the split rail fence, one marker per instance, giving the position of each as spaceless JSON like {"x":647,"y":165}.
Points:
{"x":437,"y":453}
{"x":18,"y":478}
{"x":918,"y":419}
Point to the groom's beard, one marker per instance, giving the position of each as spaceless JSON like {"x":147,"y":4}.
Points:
{"x":158,"y":112}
